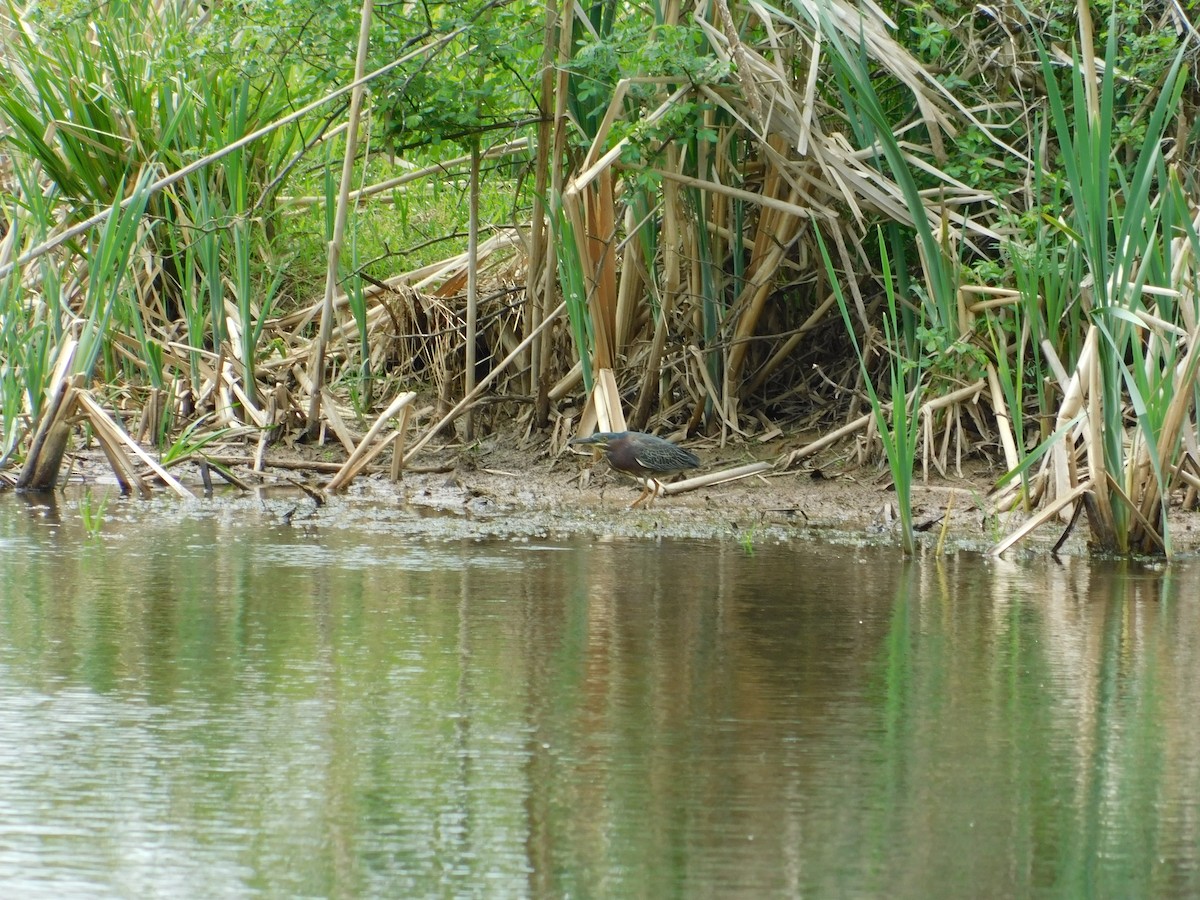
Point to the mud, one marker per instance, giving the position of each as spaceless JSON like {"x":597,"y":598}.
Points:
{"x":502,"y":488}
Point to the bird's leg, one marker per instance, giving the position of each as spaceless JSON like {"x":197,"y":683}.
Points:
{"x":649,"y":492}
{"x":658,"y":490}
{"x":643,"y":495}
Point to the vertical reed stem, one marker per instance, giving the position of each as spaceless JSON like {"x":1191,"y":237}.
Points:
{"x":472,"y":285}
{"x":317,"y":372}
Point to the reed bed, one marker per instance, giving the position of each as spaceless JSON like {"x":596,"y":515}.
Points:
{"x":1007,"y":226}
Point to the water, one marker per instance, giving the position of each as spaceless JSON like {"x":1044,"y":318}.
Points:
{"x":204,"y":702}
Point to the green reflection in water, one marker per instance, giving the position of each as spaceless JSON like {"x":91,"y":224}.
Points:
{"x":201,"y":702}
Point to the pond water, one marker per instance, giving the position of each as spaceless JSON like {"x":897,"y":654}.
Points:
{"x":204,"y":701}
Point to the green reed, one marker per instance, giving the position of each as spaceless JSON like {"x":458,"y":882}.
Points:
{"x":898,"y":420}
{"x":1121,"y":222}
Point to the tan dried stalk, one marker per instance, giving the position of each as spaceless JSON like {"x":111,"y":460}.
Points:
{"x":116,"y":439}
{"x":472,"y":286}
{"x":367,"y":448}
{"x":540,"y":254}
{"x":317,"y":368}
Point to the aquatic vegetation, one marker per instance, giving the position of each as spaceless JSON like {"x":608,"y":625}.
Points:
{"x":91,"y":511}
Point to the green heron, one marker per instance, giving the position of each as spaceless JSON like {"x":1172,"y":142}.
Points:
{"x":641,"y":455}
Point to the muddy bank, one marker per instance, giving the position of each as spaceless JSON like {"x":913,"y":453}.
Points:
{"x":497,"y":488}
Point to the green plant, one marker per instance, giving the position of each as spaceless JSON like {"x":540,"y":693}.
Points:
{"x":109,"y":293}
{"x":92,"y":513}
{"x":746,"y":539}
{"x":574,"y":288}
{"x":906,"y":384}
{"x":26,"y":357}
{"x":477,"y":83}
{"x":191,"y":441}
{"x":875,"y":129}
{"x":1122,"y":222}
{"x":93,"y":104}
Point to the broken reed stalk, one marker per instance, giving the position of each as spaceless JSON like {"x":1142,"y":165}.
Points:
{"x":46,"y":449}
{"x":41,"y":472}
{"x":366,"y":451}
{"x":728,"y":421}
{"x":721,"y":477}
{"x":397,"y":468}
{"x":317,"y":369}
{"x":603,"y":409}
{"x":1003,"y":420}
{"x":1049,"y":512}
{"x":827,"y":440}
{"x":122,"y":466}
{"x":334,"y":418}
{"x":113,"y":436}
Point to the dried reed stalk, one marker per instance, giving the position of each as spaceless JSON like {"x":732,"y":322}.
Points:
{"x":722,"y":477}
{"x":471,"y":324}
{"x":49,"y":442}
{"x":317,"y":368}
{"x":116,"y":440}
{"x":603,"y":409}
{"x":1047,"y":514}
{"x":367,"y":448}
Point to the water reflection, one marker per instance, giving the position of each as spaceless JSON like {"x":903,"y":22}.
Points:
{"x":213,"y":704}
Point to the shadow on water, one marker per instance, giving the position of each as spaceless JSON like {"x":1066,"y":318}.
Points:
{"x":212,"y":698}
